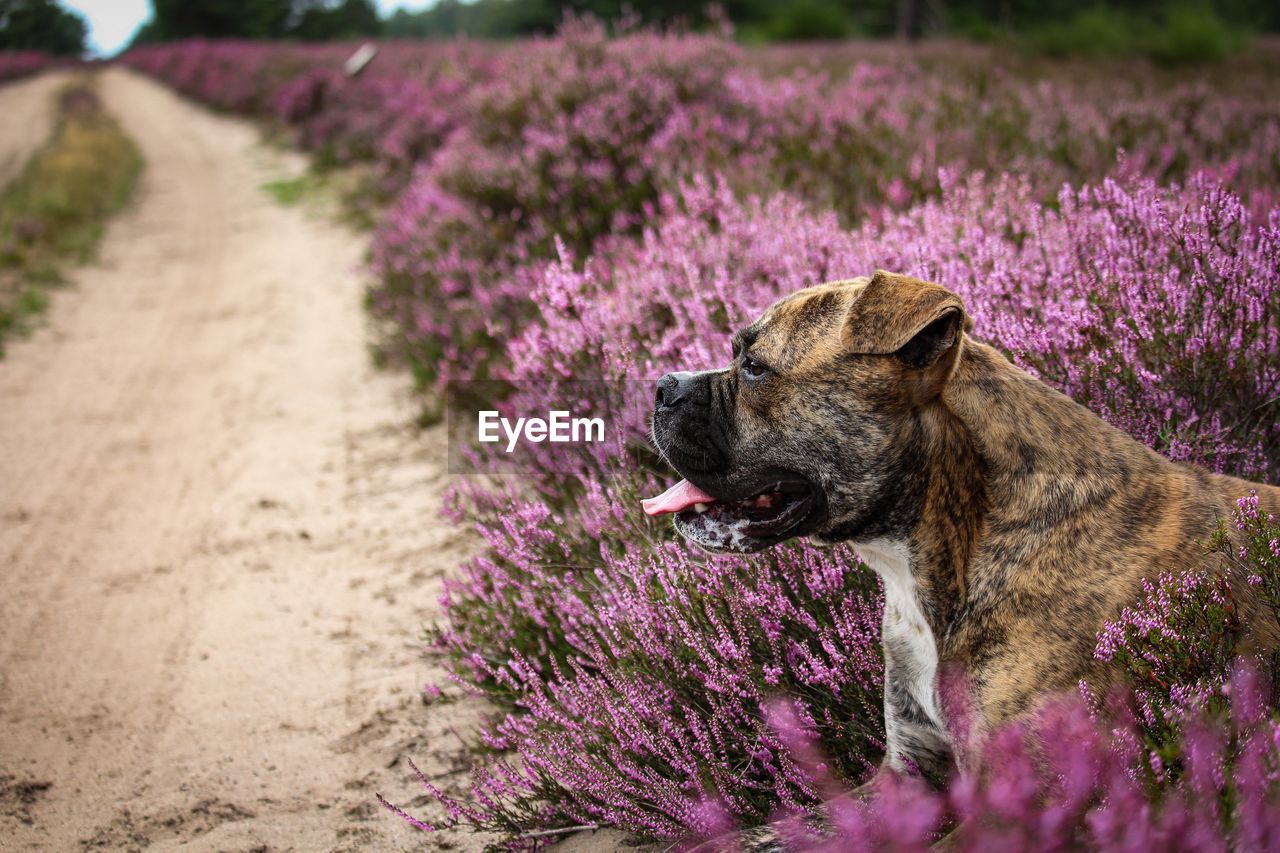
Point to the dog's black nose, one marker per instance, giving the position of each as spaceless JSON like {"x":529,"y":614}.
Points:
{"x":674,"y":389}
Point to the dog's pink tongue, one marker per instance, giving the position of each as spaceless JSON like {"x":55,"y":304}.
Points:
{"x":680,"y":496}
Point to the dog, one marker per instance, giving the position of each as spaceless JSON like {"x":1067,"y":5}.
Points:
{"x":1006,"y":522}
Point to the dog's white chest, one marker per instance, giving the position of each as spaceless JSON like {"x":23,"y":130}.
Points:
{"x":905,"y":626}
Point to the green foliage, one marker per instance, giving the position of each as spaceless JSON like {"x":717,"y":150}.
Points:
{"x":290,"y":191}
{"x":1170,"y":31}
{"x":1191,"y":33}
{"x":41,"y":25}
{"x":1178,"y":646}
{"x":1095,"y":32}
{"x":1259,"y":557}
{"x":323,"y":21}
{"x":1185,"y":33}
{"x":809,"y":20}
{"x":1177,"y":31}
{"x":310,"y":20}
{"x":1175,"y":648}
{"x":1174,"y":32}
{"x":176,"y":19}
{"x":53,"y":213}
{"x":484,"y":18}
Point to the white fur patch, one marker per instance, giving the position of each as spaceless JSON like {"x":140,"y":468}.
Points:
{"x":904,"y":620}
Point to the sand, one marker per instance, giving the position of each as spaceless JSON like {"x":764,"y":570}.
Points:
{"x":220,"y":536}
{"x":28,"y":109}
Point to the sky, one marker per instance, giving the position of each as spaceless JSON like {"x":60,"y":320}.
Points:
{"x":112,"y":23}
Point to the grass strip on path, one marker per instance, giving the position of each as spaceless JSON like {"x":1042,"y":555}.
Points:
{"x":54,"y":213}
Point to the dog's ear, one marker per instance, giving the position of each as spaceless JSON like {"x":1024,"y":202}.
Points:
{"x":904,"y":316}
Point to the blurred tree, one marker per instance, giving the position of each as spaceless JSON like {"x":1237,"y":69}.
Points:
{"x":177,"y":19}
{"x":809,"y":20}
{"x":483,"y":19}
{"x":1067,"y":25}
{"x":771,"y":19}
{"x":324,"y":20}
{"x":312,"y":20}
{"x":41,"y":25}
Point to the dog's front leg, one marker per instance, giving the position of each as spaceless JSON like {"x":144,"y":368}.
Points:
{"x":914,"y":739}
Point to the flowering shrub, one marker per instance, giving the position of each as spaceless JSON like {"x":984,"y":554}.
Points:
{"x":394,"y":115}
{"x":1262,"y":551}
{"x":577,"y":137}
{"x":392,"y":120}
{"x":1125,"y":297}
{"x":582,"y":136}
{"x":573,"y":142}
{"x":1176,"y":646}
{"x":1057,"y":783}
{"x":648,"y":705}
{"x":238,"y":76}
{"x":20,"y":63}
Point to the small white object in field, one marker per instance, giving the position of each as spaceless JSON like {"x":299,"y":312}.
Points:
{"x":358,"y":60}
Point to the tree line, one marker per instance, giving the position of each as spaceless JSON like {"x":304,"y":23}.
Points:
{"x":1195,"y":28}
{"x":41,"y":25}
{"x":304,"y":20}
{"x":770,"y":20}
{"x":46,"y":26}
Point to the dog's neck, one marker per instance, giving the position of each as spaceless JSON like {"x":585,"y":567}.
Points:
{"x":952,"y":511}
{"x":1002,"y":450}
{"x":921,"y":537}
{"x":1045,"y":456}
{"x":1032,"y":456}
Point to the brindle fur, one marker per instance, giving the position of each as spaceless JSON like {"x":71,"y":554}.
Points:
{"x":1029,"y":521}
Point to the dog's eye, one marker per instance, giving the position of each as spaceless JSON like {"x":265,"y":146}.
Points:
{"x":753,"y":369}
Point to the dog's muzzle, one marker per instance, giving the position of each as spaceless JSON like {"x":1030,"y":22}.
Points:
{"x":721,"y":506}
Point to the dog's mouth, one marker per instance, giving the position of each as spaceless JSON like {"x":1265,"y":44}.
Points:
{"x":777,"y":510}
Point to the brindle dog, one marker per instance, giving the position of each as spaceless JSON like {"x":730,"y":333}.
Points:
{"x":1006,"y":521}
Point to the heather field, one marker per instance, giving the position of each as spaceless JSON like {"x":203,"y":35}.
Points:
{"x":593,"y":207}
{"x":22,"y":63}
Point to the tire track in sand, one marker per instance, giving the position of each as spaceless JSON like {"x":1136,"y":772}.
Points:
{"x":29,"y":109}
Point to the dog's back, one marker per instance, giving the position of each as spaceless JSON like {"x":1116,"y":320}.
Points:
{"x":1078,"y":514}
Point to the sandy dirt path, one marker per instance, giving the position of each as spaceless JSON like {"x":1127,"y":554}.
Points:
{"x":219,"y":537}
{"x":27,"y":111}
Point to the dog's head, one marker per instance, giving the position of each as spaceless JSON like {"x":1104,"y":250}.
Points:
{"x":813,"y":428}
